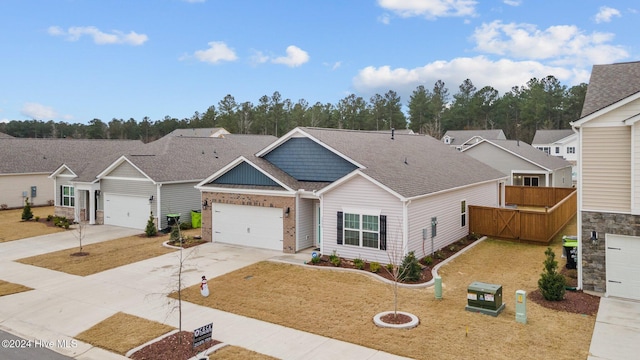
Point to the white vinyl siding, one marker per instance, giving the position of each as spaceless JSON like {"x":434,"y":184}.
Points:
{"x":606,"y":168}
{"x":359,"y":193}
{"x":179,"y":199}
{"x":305,"y":229}
{"x":446,"y":208}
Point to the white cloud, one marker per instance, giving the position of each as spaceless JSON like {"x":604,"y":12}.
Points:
{"x":38,"y":111}
{"x":218,"y":51}
{"x":502,"y":74}
{"x":430,"y":9}
{"x":606,"y":13}
{"x":559,"y":45}
{"x":258,"y":57}
{"x":513,"y":2}
{"x":336,"y":65}
{"x":295,"y":57}
{"x":101,"y":38}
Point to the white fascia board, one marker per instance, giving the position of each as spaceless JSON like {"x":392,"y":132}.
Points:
{"x":353,"y":174}
{"x":115,"y":164}
{"x":605,"y":110}
{"x":60,"y":169}
{"x":299,"y":131}
{"x":496,"y":180}
{"x":233,"y":164}
{"x":205,"y":189}
{"x":632,"y":119}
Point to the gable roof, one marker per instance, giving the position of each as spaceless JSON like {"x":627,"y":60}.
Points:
{"x":180,"y":158}
{"x":5,"y":136}
{"x":609,"y":84}
{"x":551,"y":136}
{"x":410,"y":165}
{"x":22,"y":155}
{"x":460,"y":137}
{"x":526,"y":152}
{"x":199,"y":132}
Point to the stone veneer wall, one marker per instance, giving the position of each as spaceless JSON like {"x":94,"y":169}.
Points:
{"x":288,"y":226}
{"x":593,"y":256}
{"x":65,"y":211}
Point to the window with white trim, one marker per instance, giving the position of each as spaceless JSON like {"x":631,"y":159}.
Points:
{"x":557,"y":149}
{"x":361,"y":230}
{"x":463,"y":213}
{"x":67,"y":197}
{"x":531,"y":181}
{"x":571,"y":150}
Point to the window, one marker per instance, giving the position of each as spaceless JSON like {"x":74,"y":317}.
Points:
{"x":531,"y":181}
{"x":463,"y":213}
{"x":557,"y":149}
{"x":545,"y":149}
{"x":66,"y":196}
{"x":362,"y":230}
{"x":571,"y":150}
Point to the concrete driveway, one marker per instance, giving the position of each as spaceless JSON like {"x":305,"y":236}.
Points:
{"x":616,"y":335}
{"x":63,"y":305}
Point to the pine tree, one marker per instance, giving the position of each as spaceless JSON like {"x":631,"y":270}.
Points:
{"x":551,"y":284}
{"x":151,"y":229}
{"x":26,"y":211}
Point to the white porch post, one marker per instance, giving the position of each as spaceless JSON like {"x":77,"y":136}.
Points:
{"x":92,"y":207}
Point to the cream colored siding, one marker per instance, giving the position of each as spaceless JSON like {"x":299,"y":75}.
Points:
{"x":359,"y":193}
{"x":606,"y":168}
{"x":13,"y":186}
{"x":305,"y":229}
{"x":446,"y":207}
{"x":636,"y":168}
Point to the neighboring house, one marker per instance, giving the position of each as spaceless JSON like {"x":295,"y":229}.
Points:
{"x":157,"y":178}
{"x":563,"y":143}
{"x":200,"y":132}
{"x":461,"y":139}
{"x":609,"y":182}
{"x":524,"y":164}
{"x":360,"y":194}
{"x":5,"y":136}
{"x":26,"y":163}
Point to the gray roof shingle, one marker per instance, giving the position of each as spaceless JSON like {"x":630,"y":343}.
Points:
{"x":529,"y":152}
{"x":461,"y":136}
{"x":5,"y":136}
{"x":551,"y":136}
{"x":609,"y":84}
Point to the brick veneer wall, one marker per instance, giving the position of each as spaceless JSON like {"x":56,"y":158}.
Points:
{"x":593,"y":256}
{"x":289,"y":223}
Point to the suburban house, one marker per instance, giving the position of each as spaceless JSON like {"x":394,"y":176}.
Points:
{"x":524,"y":164}
{"x":156,"y":178}
{"x":609,"y":182}
{"x":200,"y":132}
{"x":5,"y":136}
{"x":360,"y":194}
{"x":563,"y":143}
{"x":26,"y":163}
{"x":461,"y":139}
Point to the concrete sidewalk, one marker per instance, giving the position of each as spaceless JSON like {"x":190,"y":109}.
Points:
{"x":63,"y":305}
{"x":616,"y":335}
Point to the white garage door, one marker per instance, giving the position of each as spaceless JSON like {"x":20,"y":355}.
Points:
{"x":623,"y":266}
{"x":254,"y":226}
{"x":126,"y":211}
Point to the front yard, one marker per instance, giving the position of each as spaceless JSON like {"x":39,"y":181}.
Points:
{"x":13,"y":228}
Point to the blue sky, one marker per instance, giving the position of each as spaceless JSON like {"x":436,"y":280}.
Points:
{"x":75,"y":60}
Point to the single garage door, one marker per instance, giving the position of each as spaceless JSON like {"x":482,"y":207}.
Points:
{"x":126,"y":211}
{"x":623,"y":266}
{"x":254,"y":226}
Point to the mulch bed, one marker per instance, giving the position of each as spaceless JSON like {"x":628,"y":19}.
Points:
{"x":577,"y":302}
{"x":171,"y":348}
{"x":425,"y":275}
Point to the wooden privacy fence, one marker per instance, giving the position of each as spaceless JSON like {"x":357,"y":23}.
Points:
{"x":538,"y":226}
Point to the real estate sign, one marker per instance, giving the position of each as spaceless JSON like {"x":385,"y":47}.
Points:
{"x":202,"y":334}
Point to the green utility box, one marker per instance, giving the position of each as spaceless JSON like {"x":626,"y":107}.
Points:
{"x":484,"y":298}
{"x":196,"y":219}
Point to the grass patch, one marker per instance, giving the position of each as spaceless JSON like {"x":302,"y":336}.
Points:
{"x":123,"y":332}
{"x":237,"y":353}
{"x":104,"y":255}
{"x":341,"y":306}
{"x":13,"y":228}
{"x":7,"y":288}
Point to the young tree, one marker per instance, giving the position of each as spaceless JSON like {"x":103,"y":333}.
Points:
{"x":80,"y":233}
{"x":551,"y":283}
{"x":151,"y":229}
{"x":27,"y":214}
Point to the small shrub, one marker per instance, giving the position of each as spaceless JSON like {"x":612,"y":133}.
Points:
{"x":358,"y":263}
{"x":439,"y":255}
{"x":374,"y":267}
{"x":389,"y":268}
{"x":37,"y":218}
{"x":27,"y":214}
{"x":49,"y":217}
{"x":551,"y":283}
{"x":427,"y":260}
{"x":185,"y":225}
{"x":453,"y":248}
{"x":410,"y":269}
{"x":66,"y":224}
{"x":315,"y":260}
{"x":151,"y":229}
{"x":50,"y":202}
{"x":335,"y":259}
{"x":4,"y":206}
{"x":175,"y":234}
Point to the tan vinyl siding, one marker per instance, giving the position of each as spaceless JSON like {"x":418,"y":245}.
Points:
{"x":606,"y":168}
{"x":12,"y":187}
{"x":636,"y":168}
{"x":124,"y":187}
{"x":359,"y":193}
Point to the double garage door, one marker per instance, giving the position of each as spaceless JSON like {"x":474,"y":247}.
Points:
{"x":126,"y":211}
{"x":623,"y":266}
{"x":254,"y":226}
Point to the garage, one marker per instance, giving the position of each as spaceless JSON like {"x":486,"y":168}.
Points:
{"x":126,"y":211}
{"x":254,"y":226}
{"x":623,"y":266}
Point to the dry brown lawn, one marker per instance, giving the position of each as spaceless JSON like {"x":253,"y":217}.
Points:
{"x":105,"y":255}
{"x":237,"y":353}
{"x":7,"y":288}
{"x":13,"y":228}
{"x":123,"y":332}
{"x":341,"y":306}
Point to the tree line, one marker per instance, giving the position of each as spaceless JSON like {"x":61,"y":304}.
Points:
{"x":539,"y":104}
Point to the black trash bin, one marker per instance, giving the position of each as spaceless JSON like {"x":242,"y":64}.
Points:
{"x":173,"y":219}
{"x":571,"y":249}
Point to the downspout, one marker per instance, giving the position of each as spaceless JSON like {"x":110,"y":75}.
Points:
{"x":579,"y":207}
{"x":321,"y":240}
{"x":158,"y":200}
